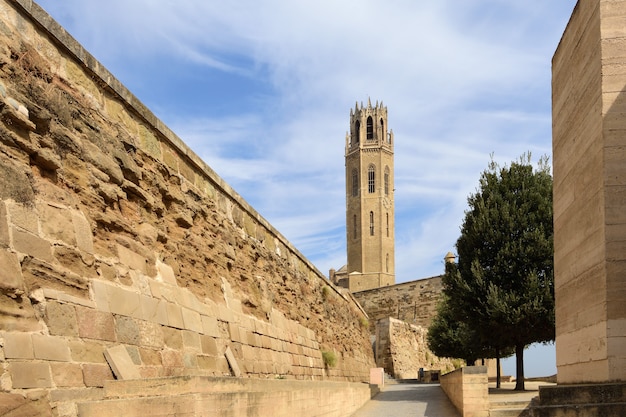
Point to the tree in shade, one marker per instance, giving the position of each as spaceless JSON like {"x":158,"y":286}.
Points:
{"x":504,"y":288}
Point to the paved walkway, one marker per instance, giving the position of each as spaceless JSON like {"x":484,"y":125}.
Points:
{"x":409,"y":400}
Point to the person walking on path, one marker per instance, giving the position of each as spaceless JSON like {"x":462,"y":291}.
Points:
{"x":409,"y":400}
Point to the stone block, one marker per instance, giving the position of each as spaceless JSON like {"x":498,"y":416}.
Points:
{"x":150,"y":357}
{"x":121,"y":363}
{"x":209,"y":326}
{"x":153,"y":310}
{"x":52,"y":348}
{"x":56,"y":224}
{"x":100,"y":290}
{"x":172,"y":358}
{"x":124,"y":302}
{"x":127,"y":330}
{"x":67,"y":374}
{"x":151,"y":334}
{"x":86,"y":351}
{"x":94,"y":375}
{"x":191,"y":320}
{"x":18,"y":346}
{"x":30,"y":374}
{"x":191,"y":340}
{"x":32,"y":245}
{"x":190,"y":360}
{"x":18,"y":405}
{"x":65,"y":298}
{"x":233,"y":330}
{"x":209,"y":345}
{"x":82,"y":230}
{"x":165,"y":273}
{"x":94,"y":324}
{"x":232,"y":362}
{"x":23,"y":216}
{"x":207,"y":362}
{"x":61,"y":319}
{"x":4,"y":226}
{"x":172,"y":338}
{"x":175,"y":316}
{"x":132,"y":259}
{"x":10,"y":271}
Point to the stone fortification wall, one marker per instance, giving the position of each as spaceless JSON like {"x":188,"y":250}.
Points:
{"x":113,"y":233}
{"x":414,"y":302}
{"x":401,"y":349}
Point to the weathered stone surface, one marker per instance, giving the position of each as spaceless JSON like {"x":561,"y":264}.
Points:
{"x":93,"y":324}
{"x":31,"y":244}
{"x":17,"y":405}
{"x":52,"y":348}
{"x":18,"y":346}
{"x":67,"y":374}
{"x":30,"y":374}
{"x":94,"y":375}
{"x":10,"y":272}
{"x":121,"y":363}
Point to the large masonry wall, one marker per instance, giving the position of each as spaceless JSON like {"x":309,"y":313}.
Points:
{"x":401,"y":349}
{"x":589,"y":121}
{"x":414,"y":302}
{"x":114,"y":234}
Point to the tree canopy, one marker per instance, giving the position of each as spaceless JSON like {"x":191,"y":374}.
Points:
{"x":503,"y":286}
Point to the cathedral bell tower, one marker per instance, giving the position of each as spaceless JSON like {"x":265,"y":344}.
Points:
{"x":369,"y":199}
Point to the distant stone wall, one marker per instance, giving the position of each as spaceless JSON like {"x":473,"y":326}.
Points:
{"x":414,"y":302}
{"x":401,"y":349}
{"x":113,"y":233}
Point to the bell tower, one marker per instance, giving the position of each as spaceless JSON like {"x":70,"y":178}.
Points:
{"x":369,"y":199}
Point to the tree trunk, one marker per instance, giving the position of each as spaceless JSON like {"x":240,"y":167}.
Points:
{"x":498,"y":376}
{"x":519,"y":361}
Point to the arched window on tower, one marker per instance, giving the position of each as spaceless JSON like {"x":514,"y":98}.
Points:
{"x":370,"y":128}
{"x":387,"y":263}
{"x":387,"y":218}
{"x":354,"y":227}
{"x":381,"y":135}
{"x":357,"y":132}
{"x":371,"y":223}
{"x":371,"y":179}
{"x":355,"y":183}
{"x":386,"y":180}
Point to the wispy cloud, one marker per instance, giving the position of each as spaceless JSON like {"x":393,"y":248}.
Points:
{"x":262,"y":92}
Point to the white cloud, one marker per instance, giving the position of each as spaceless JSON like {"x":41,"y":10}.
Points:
{"x":461,"y":79}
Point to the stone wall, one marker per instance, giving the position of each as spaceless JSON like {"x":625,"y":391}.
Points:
{"x":468,"y":389}
{"x":123,"y":255}
{"x":401,"y":349}
{"x":414,"y":302}
{"x":588,"y":107}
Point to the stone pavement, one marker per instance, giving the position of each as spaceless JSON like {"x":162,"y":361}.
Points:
{"x":409,"y":400}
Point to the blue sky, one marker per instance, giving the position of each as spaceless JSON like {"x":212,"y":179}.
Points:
{"x":262,"y":91}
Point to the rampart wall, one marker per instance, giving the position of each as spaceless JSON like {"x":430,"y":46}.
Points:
{"x":414,"y":302}
{"x":123,"y":255}
{"x":401,"y":349}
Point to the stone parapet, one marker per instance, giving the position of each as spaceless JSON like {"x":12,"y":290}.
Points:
{"x":468,"y":389}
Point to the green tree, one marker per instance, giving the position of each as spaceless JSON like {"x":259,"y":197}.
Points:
{"x":505,"y":286}
{"x":450,"y":337}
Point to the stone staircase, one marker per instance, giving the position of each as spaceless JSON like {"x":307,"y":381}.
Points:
{"x":511,"y":408}
{"x":606,"y":400}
